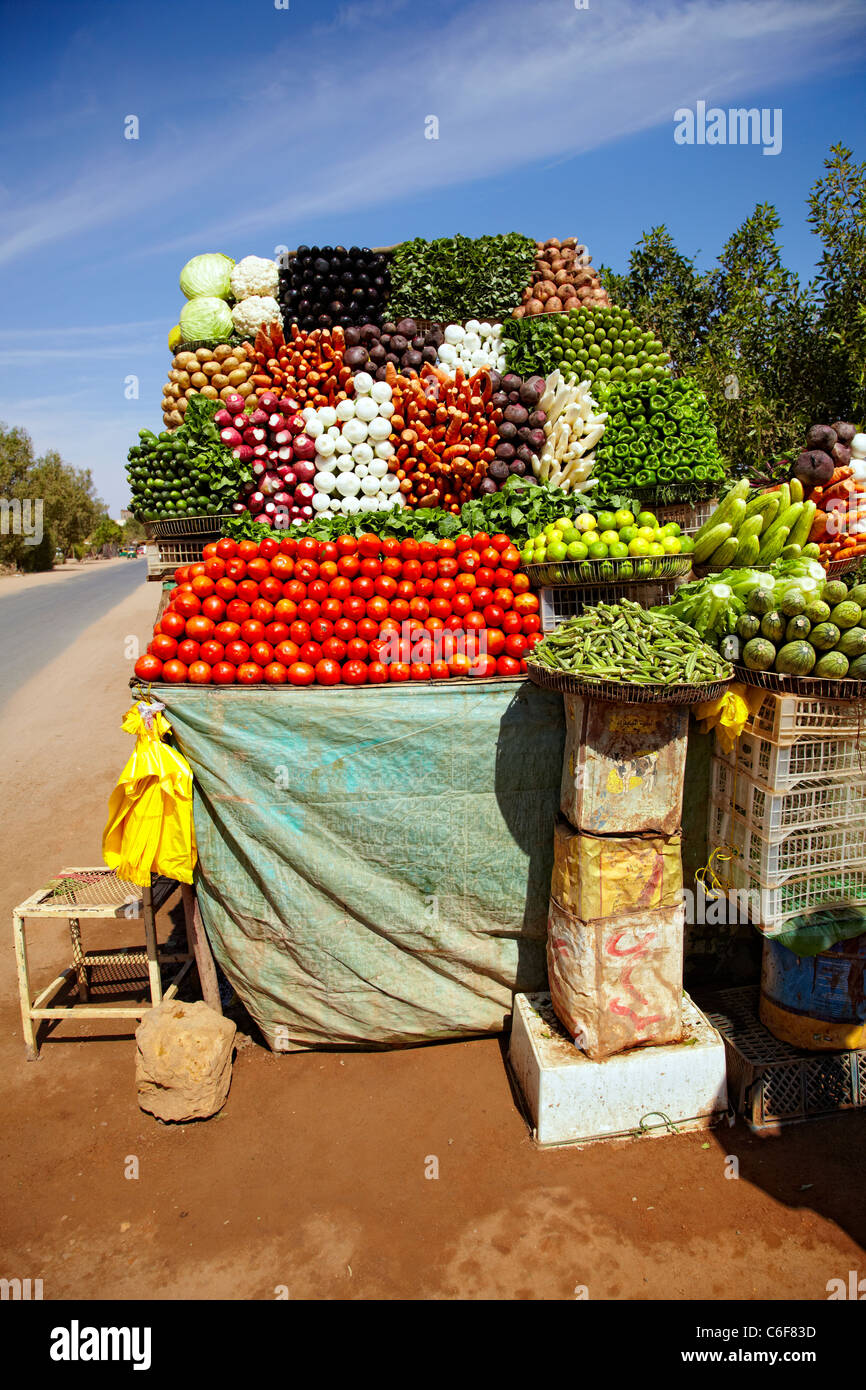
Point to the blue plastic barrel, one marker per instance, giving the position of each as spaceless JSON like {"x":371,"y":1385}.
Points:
{"x":816,"y":1002}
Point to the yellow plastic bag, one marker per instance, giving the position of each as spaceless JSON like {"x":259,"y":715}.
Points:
{"x":728,"y":714}
{"x":150,"y":827}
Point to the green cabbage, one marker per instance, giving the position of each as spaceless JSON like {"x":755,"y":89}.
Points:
{"x":206,"y":318}
{"x":208,"y":275}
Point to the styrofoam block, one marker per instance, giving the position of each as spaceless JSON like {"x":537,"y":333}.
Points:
{"x":573,"y":1100}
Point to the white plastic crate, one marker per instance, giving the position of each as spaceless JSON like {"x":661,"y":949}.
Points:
{"x":773,"y":815}
{"x":809,"y":759}
{"x":786,"y":718}
{"x":801,"y":852}
{"x":772,"y":906}
{"x":559,"y":604}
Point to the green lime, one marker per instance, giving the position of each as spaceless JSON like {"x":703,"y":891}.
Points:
{"x":557,"y":551}
{"x":577,"y":551}
{"x":598,"y":550}
{"x":646,"y":519}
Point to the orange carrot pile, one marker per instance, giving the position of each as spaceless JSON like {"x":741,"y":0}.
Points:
{"x":444,"y":434}
{"x":841,"y":505}
{"x":309,"y":367}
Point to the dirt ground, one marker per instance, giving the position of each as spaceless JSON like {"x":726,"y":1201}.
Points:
{"x":312,"y":1179}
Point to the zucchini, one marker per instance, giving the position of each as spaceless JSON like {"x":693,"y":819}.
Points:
{"x":721,"y":558}
{"x":766,"y":505}
{"x":784,"y":497}
{"x":788,"y":518}
{"x":772,"y":546}
{"x":739,"y":492}
{"x":710,"y":542}
{"x":752,"y":526}
{"x":803,"y":525}
{"x":796,"y":489}
{"x":748,"y":551}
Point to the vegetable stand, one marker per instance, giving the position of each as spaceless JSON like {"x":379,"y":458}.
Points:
{"x":374,"y":864}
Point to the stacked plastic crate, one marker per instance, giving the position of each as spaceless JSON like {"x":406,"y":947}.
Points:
{"x":788,"y":806}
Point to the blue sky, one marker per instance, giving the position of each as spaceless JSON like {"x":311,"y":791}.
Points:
{"x":261,"y":127}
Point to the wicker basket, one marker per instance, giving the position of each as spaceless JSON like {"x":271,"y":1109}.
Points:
{"x":186,"y":527}
{"x":816,"y":686}
{"x":575,"y":573}
{"x":624,"y":692}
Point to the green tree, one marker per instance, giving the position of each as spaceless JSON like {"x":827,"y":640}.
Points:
{"x":71,"y":506}
{"x":106,"y":532}
{"x":837,"y":216}
{"x":664,"y":290}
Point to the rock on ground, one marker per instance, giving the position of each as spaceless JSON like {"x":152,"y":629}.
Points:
{"x":183,"y":1063}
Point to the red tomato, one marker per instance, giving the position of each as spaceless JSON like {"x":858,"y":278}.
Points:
{"x":238,"y":610}
{"x":368,"y":628}
{"x":515,"y":644}
{"x":355,"y":673}
{"x":248,"y":550}
{"x":398,"y":608}
{"x":377,"y":673}
{"x":275,"y":673}
{"x":447,"y":547}
{"x":318,"y":590}
{"x":392,"y":565}
{"x":344,"y":628}
{"x":483,"y":666}
{"x":173,"y":671}
{"x":371,"y":569}
{"x":501,"y":578}
{"x":306,"y":571}
{"x":271,"y":589}
{"x":215,"y":569}
{"x":288,"y":546}
{"x":327,"y":672}
{"x":468,"y":561}
{"x":357,"y":649}
{"x":149,"y":666}
{"x":349,"y":566}
{"x":269,"y":547}
{"x":209,"y":550}
{"x":295,"y":590}
{"x":282,"y":567}
{"x":226,"y":548}
{"x":226,"y":589}
{"x":334,"y":648}
{"x":398,"y":671}
{"x":196,"y":570}
{"x":172,"y":623}
{"x":163,"y":646}
{"x":462,"y":543}
{"x":419,"y":608}
{"x":276,"y":632}
{"x":308,"y":548}
{"x":503,"y":597}
{"x":507,"y":666}
{"x":250,"y":674}
{"x":187,"y":604}
{"x":299,"y":632}
{"x":262,"y":610}
{"x":328,"y":554}
{"x":286,"y":610}
{"x":309,"y":610}
{"x":355,"y":608}
{"x":410,"y":549}
{"x":532,"y":639}
{"x":237,"y":653}
{"x":388,"y":625}
{"x":227,"y":632}
{"x":474,"y":621}
{"x":464,"y":583}
{"x":480,"y":540}
{"x":411,"y":570}
{"x":439,"y":670}
{"x":202,"y":586}
{"x":444,"y":588}
{"x":512,"y":622}
{"x":320,"y":629}
{"x":440,"y":608}
{"x":340,"y":588}
{"x":211,"y":652}
{"x":301,"y":672}
{"x":424,"y":588}
{"x":347,"y":545}
{"x":509,"y":558}
{"x":262,"y":653}
{"x":531,"y":623}
{"x":485,"y":578}
{"x":332,"y":609}
{"x":181,"y":575}
{"x":493,"y":615}
{"x":490,"y":557}
{"x":369,"y":544}
{"x":236,"y":569}
{"x":419,"y":671}
{"x":461,"y":604}
{"x":258,"y":569}
{"x":362,"y":587}
{"x":500,"y":541}
{"x":526,"y":603}
{"x":199,"y":673}
{"x":494,"y":640}
{"x":311,"y":652}
{"x":390,"y":546}
{"x":188,"y":651}
{"x":252,"y":630}
{"x":248,"y":590}
{"x":459,"y":663}
{"x":405,"y":589}
{"x":286,"y":652}
{"x":223,"y":673}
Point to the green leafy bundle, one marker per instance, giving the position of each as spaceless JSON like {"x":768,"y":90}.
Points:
{"x":187,"y":472}
{"x":659,"y":440}
{"x":453,"y":279}
{"x":531,"y":345}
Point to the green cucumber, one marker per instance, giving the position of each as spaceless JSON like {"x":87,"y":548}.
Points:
{"x":710,"y":542}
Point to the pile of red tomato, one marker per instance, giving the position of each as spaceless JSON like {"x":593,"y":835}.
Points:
{"x":353,"y":611}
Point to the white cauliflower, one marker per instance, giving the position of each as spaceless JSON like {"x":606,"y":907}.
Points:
{"x":255,"y":276}
{"x":253,"y":313}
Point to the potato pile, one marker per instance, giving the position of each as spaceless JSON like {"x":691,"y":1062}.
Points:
{"x":563,"y":279}
{"x":215,"y":372}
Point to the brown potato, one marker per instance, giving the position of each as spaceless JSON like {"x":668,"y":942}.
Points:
{"x":221,"y":351}
{"x":535,"y":306}
{"x":553,"y":305}
{"x":198,"y":379}
{"x":556,"y":263}
{"x":569,"y":241}
{"x":544,"y":289}
{"x":167,"y":404}
{"x":211,"y":392}
{"x":561,"y":277}
{"x":185,"y":360}
{"x":245,"y":389}
{"x":182,"y":379}
{"x":229,"y":363}
{"x":210,"y":368}
{"x":571,"y":303}
{"x":172,"y":376}
{"x":219,"y":380}
{"x":519,"y":312}
{"x":238,"y":376}
{"x":175,"y":419}
{"x":227,"y":391}
{"x":203,"y":354}
{"x":191,"y":391}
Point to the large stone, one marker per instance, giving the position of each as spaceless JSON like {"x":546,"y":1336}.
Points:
{"x":183,"y":1063}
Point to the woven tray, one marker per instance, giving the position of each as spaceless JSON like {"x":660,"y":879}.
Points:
{"x":623,"y":692}
{"x":181,"y":526}
{"x":837,"y":567}
{"x":818,"y":686}
{"x":574,"y":573}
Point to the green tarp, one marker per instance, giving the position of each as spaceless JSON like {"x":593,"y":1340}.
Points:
{"x":374,"y":863}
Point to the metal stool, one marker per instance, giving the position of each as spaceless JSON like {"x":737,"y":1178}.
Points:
{"x":99,"y":893}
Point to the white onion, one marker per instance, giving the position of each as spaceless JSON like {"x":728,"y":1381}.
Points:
{"x":383,"y":502}
{"x":453,"y":333}
{"x":362,"y":453}
{"x":361,"y":470}
{"x":320,"y":502}
{"x":348,"y":484}
{"x":326,"y":445}
{"x":386,"y":410}
{"x":369,"y":485}
{"x":324,"y":482}
{"x":379,"y":428}
{"x":369,"y":504}
{"x":385,"y":449}
{"x":363,"y":383}
{"x":381,"y":391}
{"x":356,"y":431}
{"x":350,"y":505}
{"x":343,"y":446}
{"x":328,"y":416}
{"x":378,"y":467}
{"x":345,"y":410}
{"x":390,"y":483}
{"x":366,"y":408}
{"x":314,"y":426}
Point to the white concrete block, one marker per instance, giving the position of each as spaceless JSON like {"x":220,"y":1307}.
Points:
{"x":572,"y":1100}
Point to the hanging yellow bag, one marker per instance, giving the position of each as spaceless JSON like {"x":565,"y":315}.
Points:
{"x":729,"y":713}
{"x":150,"y":827}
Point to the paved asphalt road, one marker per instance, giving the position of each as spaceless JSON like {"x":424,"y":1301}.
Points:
{"x":38,"y":623}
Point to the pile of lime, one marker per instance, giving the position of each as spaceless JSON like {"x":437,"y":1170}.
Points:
{"x":606,"y":535}
{"x":601,"y":344}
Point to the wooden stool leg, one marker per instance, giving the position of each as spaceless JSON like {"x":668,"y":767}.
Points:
{"x":78,"y":960}
{"x":30,"y":1043}
{"x":153,"y":971}
{"x":200,"y":947}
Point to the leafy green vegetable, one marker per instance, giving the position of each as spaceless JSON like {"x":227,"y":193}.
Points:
{"x":189,"y":472}
{"x":206,"y":317}
{"x":209,"y":274}
{"x":457,"y":278}
{"x":531,"y":345}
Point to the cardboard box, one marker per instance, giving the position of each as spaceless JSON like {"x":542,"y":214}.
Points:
{"x":600,"y":876}
{"x":623,"y":766}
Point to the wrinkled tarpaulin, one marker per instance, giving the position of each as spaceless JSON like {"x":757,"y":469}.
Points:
{"x":374,"y":863}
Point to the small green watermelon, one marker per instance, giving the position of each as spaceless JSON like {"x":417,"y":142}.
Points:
{"x":773,"y":625}
{"x":858,"y":594}
{"x":852,"y":642}
{"x":845,"y":614}
{"x":834,"y":591}
{"x":759,"y":654}
{"x":825,"y":636}
{"x":792,"y":602}
{"x":795,"y":659}
{"x":857,"y":669}
{"x":832,"y":665}
{"x":760,"y":601}
{"x":817,"y":611}
{"x":749,"y":625}
{"x":798,"y":629}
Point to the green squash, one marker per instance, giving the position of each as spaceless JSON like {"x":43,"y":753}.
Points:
{"x":795,"y":659}
{"x":759,"y":654}
{"x":825,"y":636}
{"x":852,"y":642}
{"x":773,"y":625}
{"x":832,"y":666}
{"x":846,"y":614}
{"x":798,"y":629}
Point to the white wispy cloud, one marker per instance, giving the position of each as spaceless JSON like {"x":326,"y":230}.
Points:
{"x":511,"y":85}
